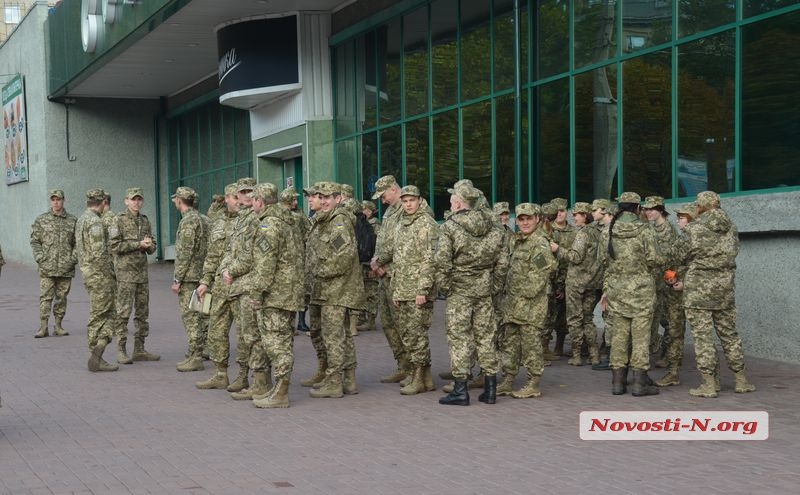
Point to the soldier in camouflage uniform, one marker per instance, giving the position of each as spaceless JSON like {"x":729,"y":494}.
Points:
{"x":191,"y":241}
{"x":131,"y":240}
{"x":524,"y":302}
{"x":471,"y":267}
{"x":279,"y":288}
{"x":413,"y":291}
{"x":629,"y":293}
{"x":223,"y":312}
{"x":347,"y":199}
{"x":288,"y":199}
{"x":53,"y":245}
{"x":563,"y":234}
{"x":91,"y":244}
{"x":337,"y":288}
{"x":366,"y":320}
{"x":217,"y":208}
{"x":712,"y":244}
{"x":582,"y":282}
{"x":600,"y":213}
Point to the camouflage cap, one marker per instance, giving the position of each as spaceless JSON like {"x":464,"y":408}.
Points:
{"x":185,"y":193}
{"x":653,"y":201}
{"x":708,"y":199}
{"x":581,"y":207}
{"x":231,"y":189}
{"x":549,"y":209}
{"x":265,"y":191}
{"x":132,"y":192}
{"x":463,"y":182}
{"x":560,"y":203}
{"x":327,"y":188}
{"x":58,"y":193}
{"x":347,"y":190}
{"x":530,"y":209}
{"x":369,"y":205}
{"x":382,"y":185}
{"x":687,"y":210}
{"x":601,"y":204}
{"x":288,"y":195}
{"x":465,"y":192}
{"x":501,"y":207}
{"x":310,"y":190}
{"x":612,"y":209}
{"x":629,"y":197}
{"x":95,"y":195}
{"x":245,"y":184}
{"x":218,"y":198}
{"x":410,"y":191}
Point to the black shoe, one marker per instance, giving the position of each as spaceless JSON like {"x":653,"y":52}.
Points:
{"x":603,"y":365}
{"x":489,"y":395}
{"x":642,"y":384}
{"x":619,"y":381}
{"x":301,"y":322}
{"x":458,"y":397}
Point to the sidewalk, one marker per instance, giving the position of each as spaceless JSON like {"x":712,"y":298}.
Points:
{"x":147,"y":429}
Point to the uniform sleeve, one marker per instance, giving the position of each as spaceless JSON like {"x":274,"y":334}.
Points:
{"x":96,"y":241}
{"x":185,"y":245}
{"x":443,"y":260}
{"x":266,"y":252}
{"x":148,"y":231}
{"x":427,"y":242}
{"x":577,"y":252}
{"x":243,"y":263}
{"x":655,"y":259}
{"x":216,"y":248}
{"x":500,"y":271}
{"x":116,"y":238}
{"x":36,"y":240}
{"x":336,"y":258}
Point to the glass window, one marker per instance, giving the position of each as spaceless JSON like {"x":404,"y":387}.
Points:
{"x":646,"y":132}
{"x":525,"y":194}
{"x":391,"y":146}
{"x":595,"y":133}
{"x":505,"y":146}
{"x":706,"y":118}
{"x":477,"y":146}
{"x":699,"y":15}
{"x":645,"y":23}
{"x":369,"y":164}
{"x":445,"y":159}
{"x":417,"y":159}
{"x":755,"y":7}
{"x":594,"y":31}
{"x":389,"y":71}
{"x":13,"y":14}
{"x":550,"y":37}
{"x":550,"y":135}
{"x":475,"y":49}
{"x":770,"y":102}
{"x":504,"y":40}
{"x":415,"y":63}
{"x":344,"y":72}
{"x":444,"y":52}
{"x":346,"y":161}
{"x":524,"y":43}
{"x":367,"y":53}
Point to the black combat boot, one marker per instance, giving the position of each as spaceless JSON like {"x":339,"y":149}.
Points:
{"x":619,"y":380}
{"x":489,"y":395}
{"x":642,"y":384}
{"x":301,"y":322}
{"x":458,"y":397}
{"x":603,"y":365}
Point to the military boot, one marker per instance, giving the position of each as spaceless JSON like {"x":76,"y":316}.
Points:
{"x":261,"y":385}
{"x":278,"y":397}
{"x":368,"y":324}
{"x":603,"y":365}
{"x":42,"y":329}
{"x":106,"y":366}
{"x":140,"y":354}
{"x":322,"y":365}
{"x":641,"y":387}
{"x":670,"y":379}
{"x":489,"y":395}
{"x":742,"y":385}
{"x":619,"y":380}
{"x":349,"y":386}
{"x":559,"y":346}
{"x":97,"y":356}
{"x":531,"y":389}
{"x":576,"y":359}
{"x":477,"y":382}
{"x":301,"y":322}
{"x":427,"y":379}
{"x":241,"y":382}
{"x":122,"y":352}
{"x":194,"y":363}
{"x":331,"y":387}
{"x":717,"y":384}
{"x":446,"y":375}
{"x":58,"y":330}
{"x":417,"y":383}
{"x":547,"y":354}
{"x":706,"y":389}
{"x":218,"y":380}
{"x":506,"y":386}
{"x":594,"y":355}
{"x":458,"y":397}
{"x":398,"y":375}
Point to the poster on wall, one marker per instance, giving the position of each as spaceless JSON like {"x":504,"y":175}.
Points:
{"x":15,"y":127}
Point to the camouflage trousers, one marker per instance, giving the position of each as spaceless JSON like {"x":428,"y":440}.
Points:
{"x":53,"y":293}
{"x":224,"y":312}
{"x":389,"y":321}
{"x":631,"y":343}
{"x":339,"y":346}
{"x":704,"y":323}
{"x":249,"y":350}
{"x":522,"y":345}
{"x":471,"y":327}
{"x":133,"y":298}
{"x":414,"y":321}
{"x":194,"y":322}
{"x":102,"y":314}
{"x":580,"y":317}
{"x":372,"y":289}
{"x":608,"y":333}
{"x":676,"y":329}
{"x":556,"y":317}
{"x":277,"y":340}
{"x":315,"y":332}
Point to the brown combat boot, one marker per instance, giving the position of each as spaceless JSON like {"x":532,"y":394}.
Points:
{"x":594,"y":354}
{"x":547,"y":354}
{"x":278,"y":397}
{"x":742,"y":385}
{"x":194,"y":363}
{"x":140,"y":354}
{"x":530,"y":390}
{"x":368,"y":324}
{"x":331,"y":387}
{"x":427,"y":379}
{"x":417,"y":383}
{"x":322,"y":365}
{"x":576,"y":359}
{"x":349,"y":386}
{"x":706,"y":389}
{"x":42,"y":329}
{"x":122,"y":352}
{"x":261,"y":385}
{"x":106,"y":366}
{"x":96,"y":359}
{"x":218,"y":380}
{"x":670,"y":379}
{"x":506,"y":386}
{"x":398,"y":375}
{"x":241,"y":382}
{"x":58,"y":330}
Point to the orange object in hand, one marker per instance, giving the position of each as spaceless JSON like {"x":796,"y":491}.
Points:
{"x":670,"y":277}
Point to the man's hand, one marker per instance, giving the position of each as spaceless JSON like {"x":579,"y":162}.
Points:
{"x":553,"y":247}
{"x":603,"y":303}
{"x":420,"y":300}
{"x":175,"y":287}
{"x":201,"y":291}
{"x":226,"y":277}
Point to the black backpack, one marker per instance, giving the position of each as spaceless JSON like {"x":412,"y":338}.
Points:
{"x":365,"y":238}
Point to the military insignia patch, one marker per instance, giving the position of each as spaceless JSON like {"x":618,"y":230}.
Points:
{"x":338,"y":242}
{"x":263,"y":244}
{"x":113,"y":231}
{"x":539,"y":261}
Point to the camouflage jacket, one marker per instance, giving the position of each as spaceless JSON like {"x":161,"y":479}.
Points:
{"x":415,"y":243}
{"x":528,"y":283}
{"x":385,"y":242}
{"x":628,"y":283}
{"x":584,"y":261}
{"x":564,"y":237}
{"x":337,"y":273}
{"x":278,"y":268}
{"x":470,"y":260}
{"x":191,"y":242}
{"x":218,"y":236}
{"x":130,"y":261}
{"x":91,"y":244}
{"x":238,"y":259}
{"x":53,"y":244}
{"x":710,"y":250}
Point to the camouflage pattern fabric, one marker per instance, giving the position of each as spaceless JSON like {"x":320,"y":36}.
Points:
{"x":383,"y":255}
{"x":471,"y":329}
{"x":98,"y":276}
{"x":564,"y":237}
{"x":191,"y":243}
{"x":130,"y":262}
{"x":583,"y":278}
{"x":416,"y":239}
{"x":249,"y":351}
{"x":53,"y":293}
{"x":238,"y":259}
{"x":195,"y":323}
{"x":530,"y":352}
{"x":277,"y":339}
{"x":222,"y":315}
{"x":509,"y":348}
{"x":53,"y":244}
{"x":133,"y":298}
{"x":371,"y":283}
{"x":666,"y":238}
{"x":414,"y":322}
{"x":339,"y":346}
{"x":723,"y":321}
{"x":315,"y":332}
{"x":631,"y":342}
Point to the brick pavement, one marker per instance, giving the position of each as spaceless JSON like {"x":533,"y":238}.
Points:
{"x":146,"y":429}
